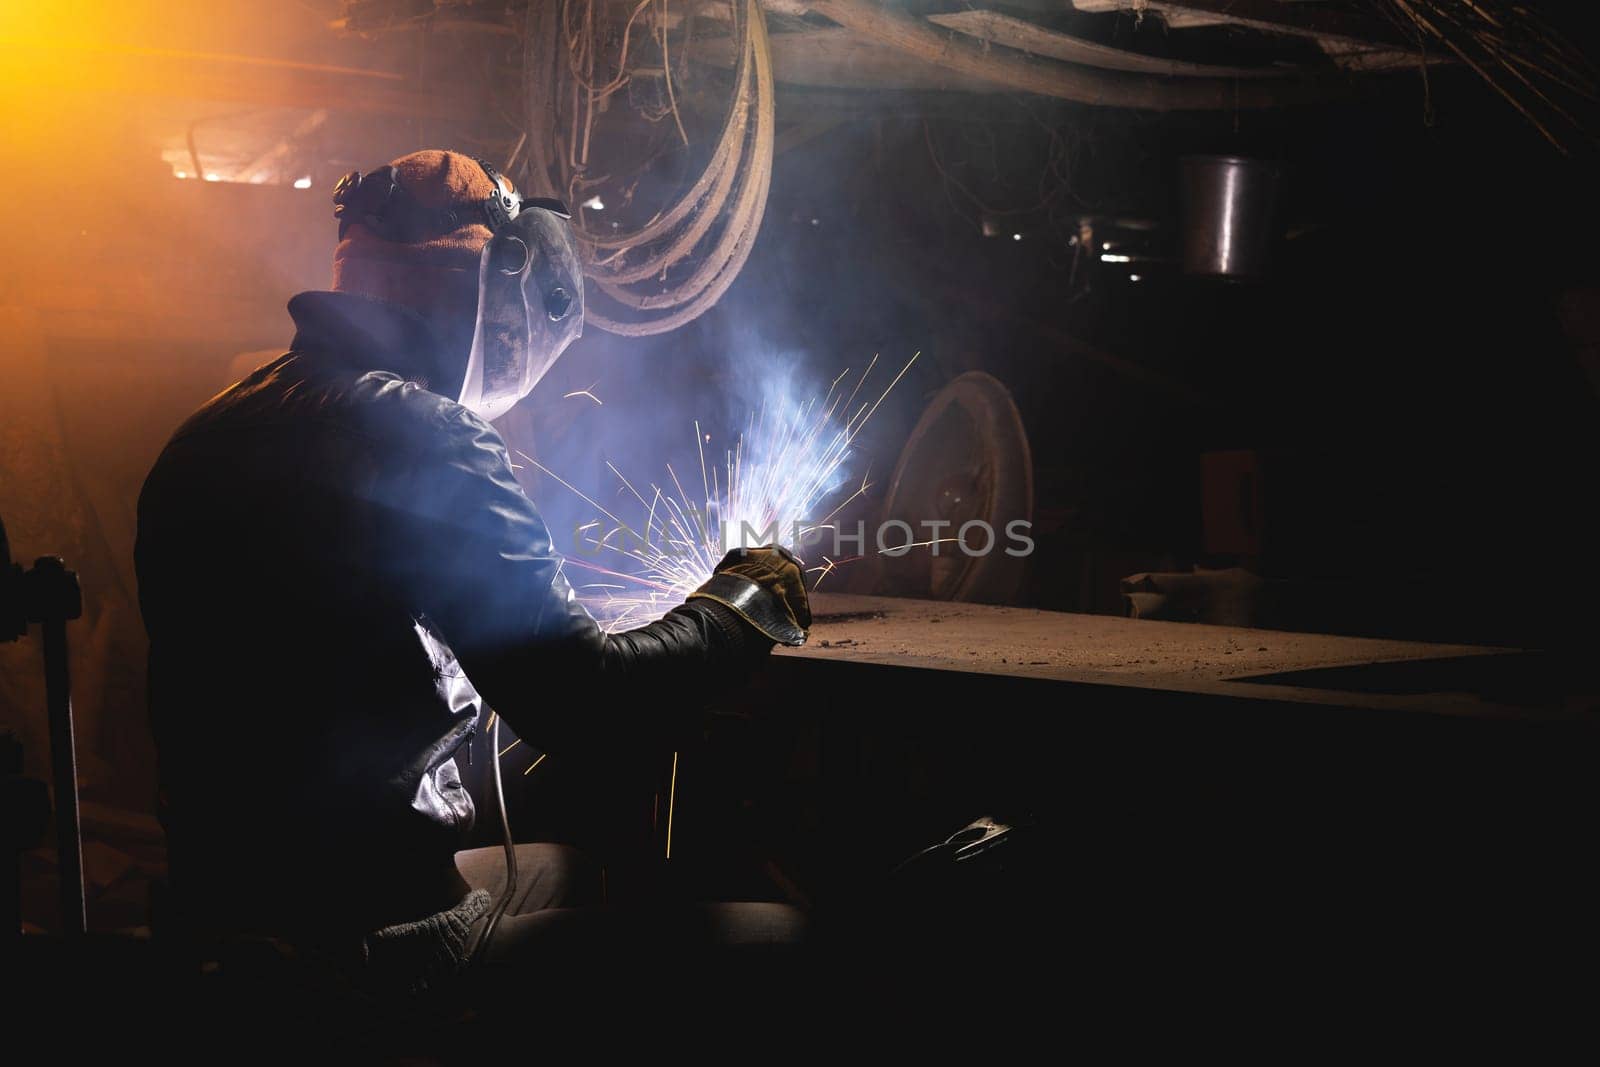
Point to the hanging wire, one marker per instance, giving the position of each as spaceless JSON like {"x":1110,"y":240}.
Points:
{"x":670,"y":270}
{"x":1521,"y":55}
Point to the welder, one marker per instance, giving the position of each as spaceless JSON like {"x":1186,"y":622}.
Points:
{"x":340,"y":575}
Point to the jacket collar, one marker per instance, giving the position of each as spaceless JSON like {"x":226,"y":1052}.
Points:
{"x":375,"y":335}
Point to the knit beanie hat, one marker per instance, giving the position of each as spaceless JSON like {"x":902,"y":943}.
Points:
{"x":438,"y":274}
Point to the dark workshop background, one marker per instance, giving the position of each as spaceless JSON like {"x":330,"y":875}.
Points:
{"x":1415,"y":385}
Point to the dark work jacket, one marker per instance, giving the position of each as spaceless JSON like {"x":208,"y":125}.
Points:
{"x":334,"y":563}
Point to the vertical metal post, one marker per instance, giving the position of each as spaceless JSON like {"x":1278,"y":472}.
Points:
{"x":13,"y":839}
{"x":64,"y":769}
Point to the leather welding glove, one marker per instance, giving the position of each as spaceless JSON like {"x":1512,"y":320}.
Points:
{"x":765,"y":588}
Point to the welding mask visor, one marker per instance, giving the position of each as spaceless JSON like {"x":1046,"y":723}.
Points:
{"x":530,"y":308}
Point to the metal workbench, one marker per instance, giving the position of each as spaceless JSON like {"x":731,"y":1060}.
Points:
{"x":1175,"y":755}
{"x":1184,"y":658}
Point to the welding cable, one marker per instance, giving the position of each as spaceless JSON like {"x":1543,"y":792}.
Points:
{"x":504,"y":900}
{"x":709,"y":192}
{"x":730,"y":193}
{"x":690,"y":298}
{"x":704,"y":201}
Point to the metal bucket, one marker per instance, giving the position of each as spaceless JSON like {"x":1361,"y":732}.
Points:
{"x":1232,"y":215}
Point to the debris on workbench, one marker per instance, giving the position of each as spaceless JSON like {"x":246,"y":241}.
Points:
{"x":1034,"y":643}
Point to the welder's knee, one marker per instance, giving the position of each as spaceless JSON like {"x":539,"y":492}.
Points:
{"x":548,"y":876}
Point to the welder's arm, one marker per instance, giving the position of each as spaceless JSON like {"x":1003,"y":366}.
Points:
{"x":502,"y":597}
{"x":584,"y":690}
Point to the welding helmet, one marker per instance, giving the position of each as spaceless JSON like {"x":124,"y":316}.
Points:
{"x":530,"y":307}
{"x":410,"y":230}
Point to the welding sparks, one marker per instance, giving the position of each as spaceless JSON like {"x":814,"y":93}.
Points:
{"x":788,"y":465}
{"x":589,"y":392}
{"x":900,"y":550}
{"x":823,"y":571}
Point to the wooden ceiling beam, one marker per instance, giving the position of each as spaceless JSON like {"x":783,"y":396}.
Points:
{"x":75,"y":72}
{"x":1354,"y":42}
{"x":1269,"y":16}
{"x":836,"y":58}
{"x":1029,"y":37}
{"x":1018,"y":71}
